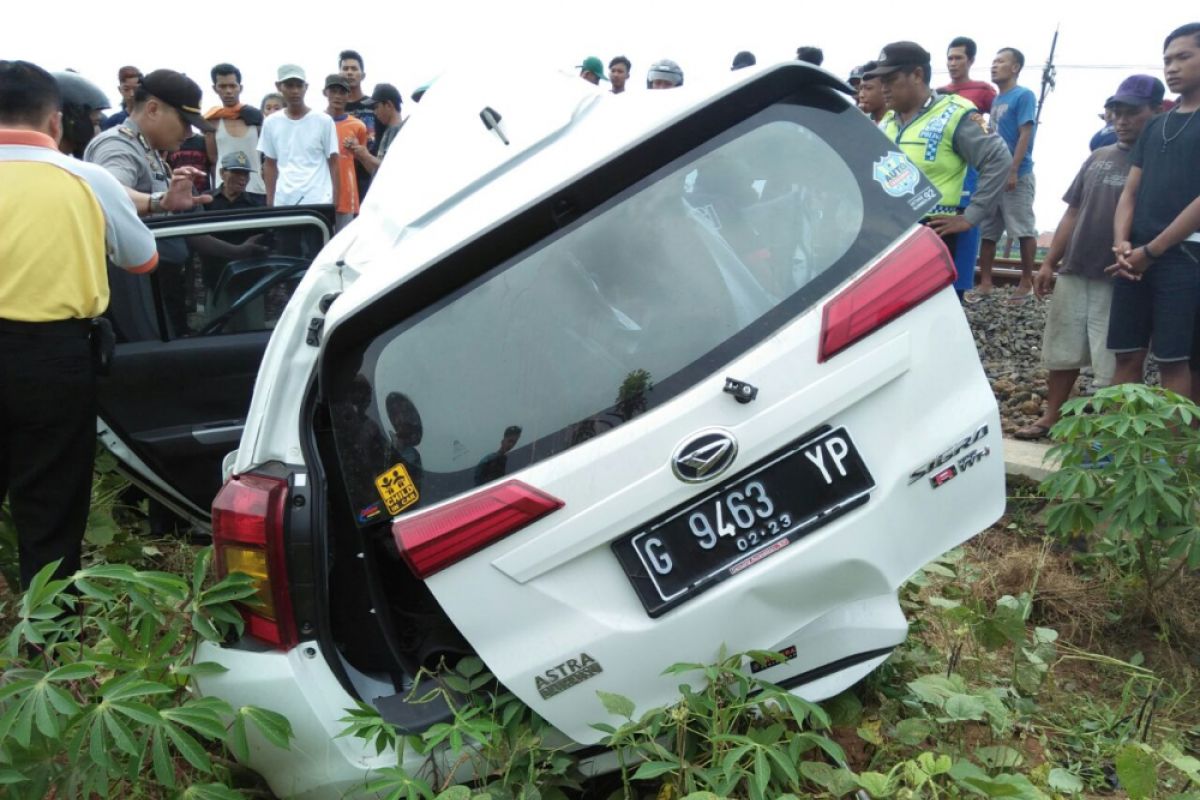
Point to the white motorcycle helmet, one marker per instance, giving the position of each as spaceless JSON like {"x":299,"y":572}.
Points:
{"x":664,"y":70}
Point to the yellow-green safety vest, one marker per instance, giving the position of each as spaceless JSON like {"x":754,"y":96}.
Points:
{"x":928,"y":141}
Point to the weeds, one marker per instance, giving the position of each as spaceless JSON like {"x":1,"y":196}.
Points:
{"x":94,"y":687}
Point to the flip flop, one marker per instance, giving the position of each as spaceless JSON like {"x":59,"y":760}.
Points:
{"x":972,"y":297}
{"x":1019,"y":299}
{"x":1031,"y":432}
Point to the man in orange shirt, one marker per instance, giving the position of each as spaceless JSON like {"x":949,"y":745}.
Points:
{"x":351,"y":131}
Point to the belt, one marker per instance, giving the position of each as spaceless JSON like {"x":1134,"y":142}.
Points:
{"x":59,"y":327}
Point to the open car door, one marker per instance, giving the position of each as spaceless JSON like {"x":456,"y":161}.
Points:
{"x":190,"y":337}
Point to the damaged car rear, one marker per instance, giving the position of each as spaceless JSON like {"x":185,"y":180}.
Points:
{"x":596,"y":384}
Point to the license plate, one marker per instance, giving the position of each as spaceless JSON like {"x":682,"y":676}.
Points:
{"x":745,"y":521}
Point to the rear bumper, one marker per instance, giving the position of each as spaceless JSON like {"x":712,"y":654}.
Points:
{"x":299,"y":685}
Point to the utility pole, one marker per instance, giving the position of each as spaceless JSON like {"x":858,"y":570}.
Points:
{"x":1049,"y":77}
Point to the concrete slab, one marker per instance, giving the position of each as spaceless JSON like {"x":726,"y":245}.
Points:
{"x":1027,"y":459}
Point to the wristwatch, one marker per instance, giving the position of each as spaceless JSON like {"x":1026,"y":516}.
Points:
{"x":156,"y":204}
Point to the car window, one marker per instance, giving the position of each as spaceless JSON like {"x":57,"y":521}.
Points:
{"x":616,"y":314}
{"x":231,"y":276}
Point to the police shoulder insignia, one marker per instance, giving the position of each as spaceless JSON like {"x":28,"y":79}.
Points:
{"x":397,"y":489}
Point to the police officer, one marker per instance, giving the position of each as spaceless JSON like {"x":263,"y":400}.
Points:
{"x":166,"y":106}
{"x":941,"y":134}
{"x":59,"y":218}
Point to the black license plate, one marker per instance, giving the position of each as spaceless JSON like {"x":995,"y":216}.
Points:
{"x":744,"y":521}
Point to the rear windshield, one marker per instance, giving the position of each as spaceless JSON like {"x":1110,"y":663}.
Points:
{"x":615,"y":314}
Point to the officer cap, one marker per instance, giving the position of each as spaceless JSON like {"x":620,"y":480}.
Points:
{"x":178,"y":90}
{"x":899,"y":55}
{"x":236,"y":162}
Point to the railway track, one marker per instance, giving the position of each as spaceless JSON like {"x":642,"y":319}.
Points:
{"x":1006,"y":272}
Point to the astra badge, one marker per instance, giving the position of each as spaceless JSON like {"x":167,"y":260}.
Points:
{"x":571,"y":672}
{"x":704,"y":456}
{"x":896,"y":174}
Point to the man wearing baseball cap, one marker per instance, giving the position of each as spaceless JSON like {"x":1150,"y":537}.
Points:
{"x":941,"y":134}
{"x":351,"y":132}
{"x":166,"y":106}
{"x":1077,"y":322}
{"x":745,"y":58}
{"x":299,"y":147}
{"x":236,"y":170}
{"x":592,"y":70}
{"x":387,"y":102}
{"x":870,"y":94}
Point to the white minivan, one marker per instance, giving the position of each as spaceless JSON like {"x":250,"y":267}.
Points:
{"x":595,"y":384}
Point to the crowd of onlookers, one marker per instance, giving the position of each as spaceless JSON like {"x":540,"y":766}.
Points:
{"x":1130,"y":206}
{"x":304,"y":155}
{"x":1124,"y":261}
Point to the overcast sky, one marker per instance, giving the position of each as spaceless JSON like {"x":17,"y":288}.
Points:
{"x":408,"y":43}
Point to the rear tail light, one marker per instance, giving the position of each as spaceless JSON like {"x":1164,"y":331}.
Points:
{"x":436,"y":539}
{"x":918,"y":268}
{"x":247,"y":519}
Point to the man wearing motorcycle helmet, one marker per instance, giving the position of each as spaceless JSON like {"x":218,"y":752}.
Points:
{"x":82,"y":104}
{"x":664,"y":74}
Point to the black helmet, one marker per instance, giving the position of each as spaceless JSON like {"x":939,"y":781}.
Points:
{"x":80,"y":97}
{"x":77,"y":90}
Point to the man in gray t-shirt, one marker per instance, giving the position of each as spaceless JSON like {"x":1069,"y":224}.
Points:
{"x":1077,"y":321}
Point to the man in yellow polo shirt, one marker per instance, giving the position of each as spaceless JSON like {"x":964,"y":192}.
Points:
{"x":59,"y":219}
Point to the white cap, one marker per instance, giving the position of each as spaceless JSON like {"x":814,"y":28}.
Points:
{"x":290,"y":71}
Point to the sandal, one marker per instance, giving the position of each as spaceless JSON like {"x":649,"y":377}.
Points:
{"x":1019,"y":299}
{"x":1032,"y":432}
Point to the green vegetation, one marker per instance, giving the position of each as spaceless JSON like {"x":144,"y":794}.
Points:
{"x":1057,"y":655}
{"x":94,"y":687}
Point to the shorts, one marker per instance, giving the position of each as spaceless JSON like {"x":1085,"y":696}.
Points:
{"x":1076,"y":334}
{"x":1159,"y":311}
{"x":1013,"y":213}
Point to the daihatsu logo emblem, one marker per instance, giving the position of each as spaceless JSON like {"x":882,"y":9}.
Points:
{"x":704,"y":456}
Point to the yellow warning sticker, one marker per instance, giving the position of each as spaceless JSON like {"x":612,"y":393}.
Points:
{"x":397,"y":489}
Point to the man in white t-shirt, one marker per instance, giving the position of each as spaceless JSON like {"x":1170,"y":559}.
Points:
{"x":299,"y":147}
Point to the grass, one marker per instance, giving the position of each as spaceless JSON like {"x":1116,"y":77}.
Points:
{"x":1114,"y":679}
